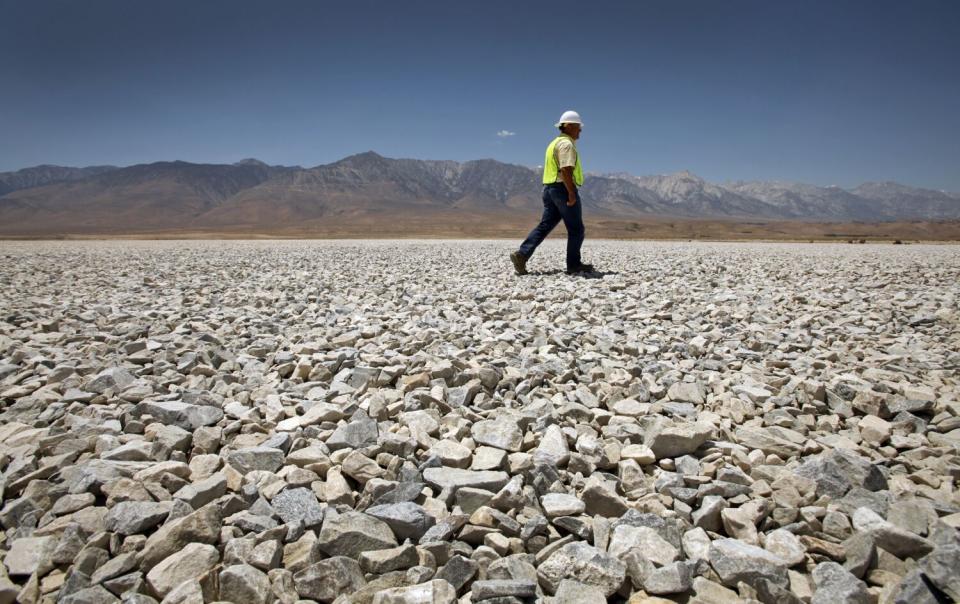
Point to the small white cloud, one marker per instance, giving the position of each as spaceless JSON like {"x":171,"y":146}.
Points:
{"x":506,"y":133}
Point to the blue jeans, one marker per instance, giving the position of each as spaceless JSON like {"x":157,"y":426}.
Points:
{"x":555,"y":209}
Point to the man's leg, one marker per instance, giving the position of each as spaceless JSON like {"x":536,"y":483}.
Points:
{"x":550,"y":219}
{"x":573,"y":220}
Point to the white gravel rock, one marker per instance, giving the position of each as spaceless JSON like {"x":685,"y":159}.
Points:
{"x":559,"y":504}
{"x":318,"y":419}
{"x":646,"y":541}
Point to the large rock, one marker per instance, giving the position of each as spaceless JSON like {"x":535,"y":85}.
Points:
{"x":251,"y":459}
{"x":390,"y":580}
{"x":318,"y":412}
{"x":553,"y":447}
{"x":437,"y":591}
{"x":503,"y":588}
{"x":202,"y":492}
{"x":678,"y":439}
{"x":328,"y":579}
{"x":134,"y":517}
{"x":600,"y":499}
{"x":914,"y":588}
{"x":501,"y":433}
{"x":382,"y":561}
{"x":686,"y":392}
{"x":122,"y":564}
{"x":860,"y":553}
{"x":667,"y":528}
{"x":352,"y":533}
{"x":874,"y":430}
{"x":707,"y":516}
{"x":837,"y":471}
{"x":561,"y":504}
{"x":360,"y":431}
{"x":941,"y":568}
{"x":28,"y":553}
{"x":897,"y":541}
{"x":517,"y":566}
{"x":361,"y":468}
{"x":114,"y":378}
{"x":92,"y":595}
{"x":451,"y":453}
{"x":403,"y":491}
{"x":407,"y":519}
{"x":786,"y":546}
{"x":768,"y":442}
{"x":584,"y":563}
{"x":455,"y":478}
{"x":244,"y":583}
{"x":696,"y":544}
{"x":458,"y":571}
{"x":202,"y":526}
{"x":298,"y":505}
{"x":191,"y":562}
{"x":736,"y":561}
{"x":180,"y":414}
{"x":137,"y":450}
{"x":645,"y":540}
{"x":674,"y":578}
{"x":836,"y":584}
{"x":575,"y":592}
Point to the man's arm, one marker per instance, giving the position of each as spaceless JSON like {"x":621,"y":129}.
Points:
{"x":567,"y":175}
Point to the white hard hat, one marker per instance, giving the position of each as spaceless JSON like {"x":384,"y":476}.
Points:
{"x":569,"y":117}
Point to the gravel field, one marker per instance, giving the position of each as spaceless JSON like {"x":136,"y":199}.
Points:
{"x":400,"y":422}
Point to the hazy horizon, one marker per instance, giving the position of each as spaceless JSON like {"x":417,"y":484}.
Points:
{"x":721,"y":182}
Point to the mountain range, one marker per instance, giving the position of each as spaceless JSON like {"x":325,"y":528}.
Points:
{"x":368,"y":188}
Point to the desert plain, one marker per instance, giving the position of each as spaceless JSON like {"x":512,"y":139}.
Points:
{"x":408,"y":421}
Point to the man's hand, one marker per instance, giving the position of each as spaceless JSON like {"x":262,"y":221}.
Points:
{"x":567,"y":175}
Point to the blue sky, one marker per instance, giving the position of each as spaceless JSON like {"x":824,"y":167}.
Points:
{"x":837,"y":92}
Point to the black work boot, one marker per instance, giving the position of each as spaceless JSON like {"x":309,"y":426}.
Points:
{"x":519,"y":263}
{"x":583,"y":268}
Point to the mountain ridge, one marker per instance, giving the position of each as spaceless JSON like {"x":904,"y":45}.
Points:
{"x":45,"y":174}
{"x":368,"y":186}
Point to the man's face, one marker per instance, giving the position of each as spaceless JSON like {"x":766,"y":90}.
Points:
{"x":573,"y":130}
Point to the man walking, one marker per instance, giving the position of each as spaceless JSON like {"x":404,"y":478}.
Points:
{"x":562,"y":175}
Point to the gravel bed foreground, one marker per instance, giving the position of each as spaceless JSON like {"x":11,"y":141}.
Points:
{"x":408,"y":422}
